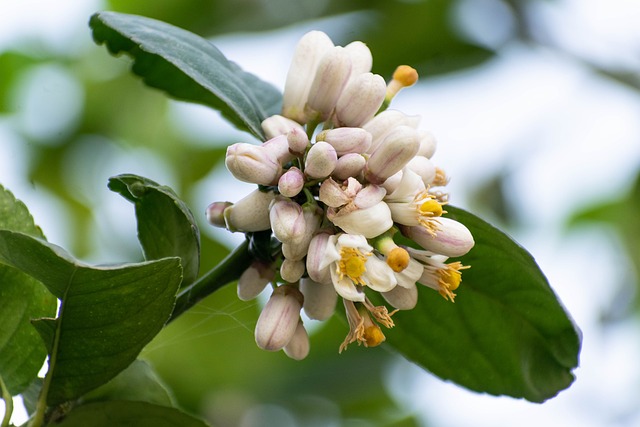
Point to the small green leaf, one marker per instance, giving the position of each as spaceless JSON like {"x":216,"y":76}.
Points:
{"x":166,"y":226}
{"x":139,"y":382}
{"x":188,"y":67}
{"x":124,"y":413}
{"x":23,"y":298}
{"x":107,"y":314}
{"x":506,"y":333}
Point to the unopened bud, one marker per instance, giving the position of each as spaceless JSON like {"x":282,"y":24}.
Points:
{"x":298,"y":141}
{"x":329,"y":81}
{"x":451,"y":238}
{"x":400,"y":146}
{"x":279,"y":318}
{"x":250,"y":213}
{"x":361,"y":58}
{"x":349,"y":165}
{"x":287,"y":220}
{"x":279,"y":147}
{"x":251,"y":163}
{"x":346,"y":140}
{"x":279,"y":125}
{"x":254,"y":279}
{"x":298,"y":347}
{"x":428,"y":144}
{"x":321,"y":160}
{"x":215,"y":213}
{"x":316,"y":268}
{"x":291,"y":271}
{"x":291,"y":182}
{"x":319,"y":299}
{"x":360,"y":100}
{"x":296,"y":251}
{"x":384,"y":123}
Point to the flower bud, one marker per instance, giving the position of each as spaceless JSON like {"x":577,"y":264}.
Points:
{"x":215,"y":213}
{"x":329,"y":81}
{"x":251,"y":163}
{"x":309,"y":50}
{"x":400,"y":146}
{"x":321,"y":160}
{"x":279,"y":318}
{"x":346,"y":140}
{"x":279,"y":125}
{"x":370,"y":222}
{"x":317,"y":270}
{"x":250,"y":213}
{"x":298,"y":141}
{"x":428,"y":144}
{"x":332,"y":194}
{"x":402,"y":298}
{"x":291,"y":182}
{"x":319,"y":299}
{"x":349,"y":165}
{"x":452,"y":238}
{"x":291,"y":271}
{"x":424,"y":168}
{"x":361,"y":58}
{"x":254,"y":279}
{"x":298,"y":347}
{"x":296,"y":251}
{"x":360,"y":100}
{"x":287,"y":220}
{"x":382,"y":124}
{"x":279,"y":147}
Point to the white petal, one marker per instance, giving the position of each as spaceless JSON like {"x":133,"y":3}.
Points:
{"x":379,"y":276}
{"x":410,"y":184}
{"x":370,"y":222}
{"x":345,"y":287}
{"x":408,"y":277}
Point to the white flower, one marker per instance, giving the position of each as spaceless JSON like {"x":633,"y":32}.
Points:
{"x":353,"y":265}
{"x":444,"y":278}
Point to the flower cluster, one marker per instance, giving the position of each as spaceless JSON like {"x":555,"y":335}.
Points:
{"x":339,"y":176}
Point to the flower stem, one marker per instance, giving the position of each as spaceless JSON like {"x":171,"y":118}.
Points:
{"x":227,"y":271}
{"x":8,"y":404}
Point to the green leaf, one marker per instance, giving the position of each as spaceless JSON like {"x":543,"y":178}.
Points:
{"x":188,"y":67}
{"x":23,"y":298}
{"x":124,"y":413}
{"x":506,"y":333}
{"x":107,"y":314}
{"x":139,"y":382}
{"x":166,"y":226}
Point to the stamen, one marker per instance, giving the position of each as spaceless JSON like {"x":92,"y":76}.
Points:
{"x":356,"y":326}
{"x":380,"y":313}
{"x":352,"y":264}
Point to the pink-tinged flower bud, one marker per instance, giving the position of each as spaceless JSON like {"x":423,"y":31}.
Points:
{"x":279,"y":125}
{"x":360,"y":100}
{"x":309,"y":50}
{"x":349,"y":165}
{"x":316,"y":268}
{"x":428,"y":144}
{"x":313,"y":216}
{"x":254,"y":164}
{"x":298,"y":141}
{"x":321,"y":160}
{"x":370,"y":222}
{"x":402,"y":298}
{"x":361,"y":58}
{"x":291,"y":271}
{"x":215,"y":213}
{"x":329,"y":81}
{"x":250,"y":213}
{"x":287,"y":220}
{"x":279,"y":318}
{"x":254,"y":279}
{"x":451,"y":238}
{"x":346,"y":140}
{"x":382,"y":124}
{"x":291,"y":182}
{"x":279,"y":147}
{"x":400,"y":146}
{"x":424,"y":168}
{"x":319,"y":299}
{"x":298,"y":347}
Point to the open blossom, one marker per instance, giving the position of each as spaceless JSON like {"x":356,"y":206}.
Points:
{"x":342,"y":183}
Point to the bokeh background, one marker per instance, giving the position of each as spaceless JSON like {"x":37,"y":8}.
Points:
{"x":536,"y":107}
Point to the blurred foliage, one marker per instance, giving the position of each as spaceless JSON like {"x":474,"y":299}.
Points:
{"x":208,"y":356}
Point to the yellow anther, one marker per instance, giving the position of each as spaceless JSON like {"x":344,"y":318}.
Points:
{"x":352,"y":264}
{"x":398,"y":259}
{"x":405,"y":75}
{"x":373,"y":335}
{"x":449,"y":279}
{"x":431,"y":207}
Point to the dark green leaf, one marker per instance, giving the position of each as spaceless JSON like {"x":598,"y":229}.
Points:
{"x":124,"y":413}
{"x":23,"y":298}
{"x":188,"y":67}
{"x":106,"y":316}
{"x":166,"y":226}
{"x":139,"y":382}
{"x":506,"y":333}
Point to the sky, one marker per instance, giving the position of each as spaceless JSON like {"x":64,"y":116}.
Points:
{"x":567,"y":138}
